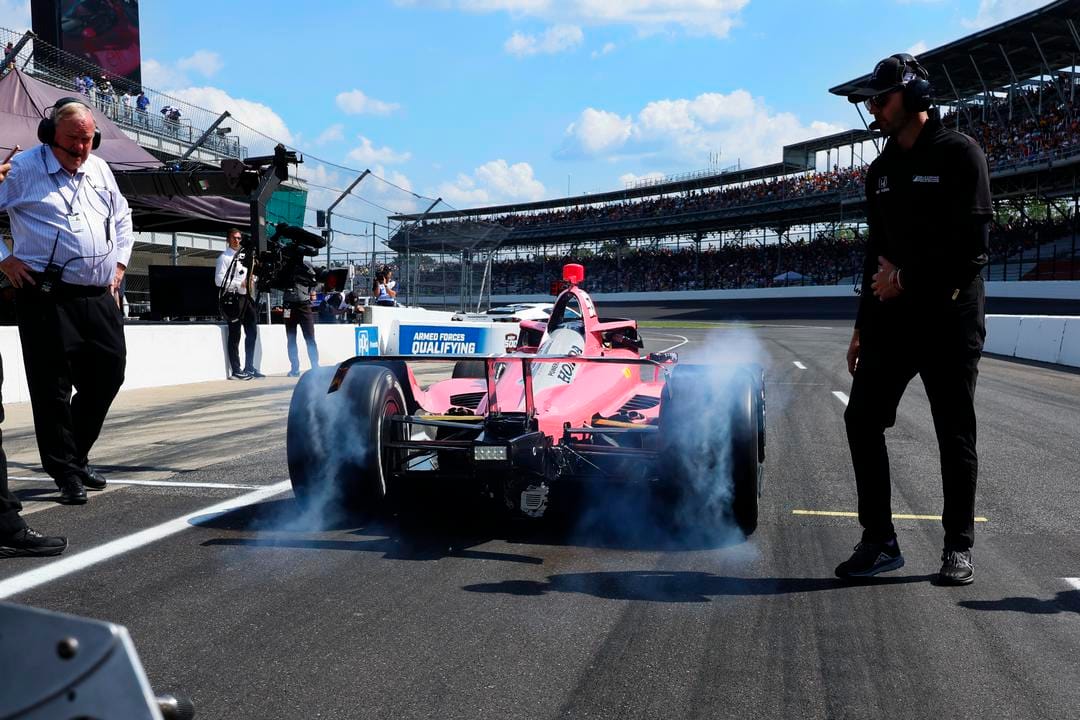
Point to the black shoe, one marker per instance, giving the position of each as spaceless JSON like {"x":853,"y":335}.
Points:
{"x":240,"y":376}
{"x":92,"y":480}
{"x":956,"y":568}
{"x":255,"y":374}
{"x":293,"y":373}
{"x":29,"y":541}
{"x":72,"y":491}
{"x":871,"y":558}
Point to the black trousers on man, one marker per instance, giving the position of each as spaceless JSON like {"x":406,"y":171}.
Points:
{"x":300,"y":314}
{"x":71,"y":337}
{"x":250,"y":324}
{"x":10,"y":520}
{"x":944,"y":352}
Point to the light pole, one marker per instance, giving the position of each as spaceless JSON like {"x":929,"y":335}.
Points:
{"x":329,"y":210}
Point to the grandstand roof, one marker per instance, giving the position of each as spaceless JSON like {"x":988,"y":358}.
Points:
{"x":955,"y":68}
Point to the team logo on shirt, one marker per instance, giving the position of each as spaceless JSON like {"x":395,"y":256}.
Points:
{"x":883,"y":184}
{"x":926,"y":179}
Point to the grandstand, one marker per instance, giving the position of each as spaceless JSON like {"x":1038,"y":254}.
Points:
{"x":1013,"y":87}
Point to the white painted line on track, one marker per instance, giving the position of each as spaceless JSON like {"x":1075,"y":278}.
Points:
{"x":1075,"y":582}
{"x":840,"y":396}
{"x":677,"y":345}
{"x":798,"y":364}
{"x":157,"y":483}
{"x":80,"y":561}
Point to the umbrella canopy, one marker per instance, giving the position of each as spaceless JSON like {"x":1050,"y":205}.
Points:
{"x":789,"y":276}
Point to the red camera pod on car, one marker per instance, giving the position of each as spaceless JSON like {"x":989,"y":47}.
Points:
{"x":573,"y":273}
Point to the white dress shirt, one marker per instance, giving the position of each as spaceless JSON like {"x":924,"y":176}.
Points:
{"x":237,"y":280}
{"x":41,"y":198}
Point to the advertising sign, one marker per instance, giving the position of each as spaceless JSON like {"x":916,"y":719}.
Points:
{"x":443,"y":340}
{"x":367,"y":340}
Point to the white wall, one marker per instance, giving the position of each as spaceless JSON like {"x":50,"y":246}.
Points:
{"x":1051,"y":339}
{"x":177,"y":354}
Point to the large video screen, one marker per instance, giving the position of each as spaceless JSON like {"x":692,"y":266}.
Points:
{"x":105,"y":33}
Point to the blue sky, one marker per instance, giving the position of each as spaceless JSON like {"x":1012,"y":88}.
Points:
{"x":488,"y":101}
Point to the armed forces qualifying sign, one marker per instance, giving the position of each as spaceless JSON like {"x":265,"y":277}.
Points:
{"x":434,"y":340}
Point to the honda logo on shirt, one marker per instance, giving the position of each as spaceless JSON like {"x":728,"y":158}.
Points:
{"x":883,"y":184}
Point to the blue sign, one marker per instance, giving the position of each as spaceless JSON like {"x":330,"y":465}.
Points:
{"x":367,"y":340}
{"x":442,"y":340}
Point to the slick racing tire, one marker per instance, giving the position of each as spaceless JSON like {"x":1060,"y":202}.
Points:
{"x":336,"y":442}
{"x":710,"y":445}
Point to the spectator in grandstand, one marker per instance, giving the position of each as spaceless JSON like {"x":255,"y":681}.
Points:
{"x":921,"y":311}
{"x":106,"y":97}
{"x":71,"y":249}
{"x":89,"y":88}
{"x":141,"y":104}
{"x":16,"y":537}
{"x":298,"y":312}
{"x":125,"y":106}
{"x":9,"y":58}
{"x":235,"y":279}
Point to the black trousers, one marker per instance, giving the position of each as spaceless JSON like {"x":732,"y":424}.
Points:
{"x":10,"y":520}
{"x":946,"y":357}
{"x":300,"y":314}
{"x":249,"y":322}
{"x":72,"y":337}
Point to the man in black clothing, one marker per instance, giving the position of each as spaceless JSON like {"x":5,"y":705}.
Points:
{"x":298,"y":312}
{"x":16,"y":537}
{"x":921,"y":311}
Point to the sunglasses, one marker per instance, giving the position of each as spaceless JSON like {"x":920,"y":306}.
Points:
{"x":879,"y":100}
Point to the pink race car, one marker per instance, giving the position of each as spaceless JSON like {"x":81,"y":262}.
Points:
{"x":575,"y":402}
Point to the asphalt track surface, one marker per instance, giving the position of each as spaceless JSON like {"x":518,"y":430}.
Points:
{"x":441,"y":611}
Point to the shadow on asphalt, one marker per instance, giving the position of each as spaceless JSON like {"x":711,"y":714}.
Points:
{"x":428,"y":526}
{"x":1066,"y":601}
{"x":682,"y":587}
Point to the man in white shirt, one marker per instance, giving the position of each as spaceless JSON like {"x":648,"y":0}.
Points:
{"x":72,"y":242}
{"x":236,"y":286}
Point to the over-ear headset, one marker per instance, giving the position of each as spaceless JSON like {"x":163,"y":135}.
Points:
{"x":914,"y":78}
{"x":46,"y":129}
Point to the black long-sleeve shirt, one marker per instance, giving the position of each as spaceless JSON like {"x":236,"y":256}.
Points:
{"x":928,"y":210}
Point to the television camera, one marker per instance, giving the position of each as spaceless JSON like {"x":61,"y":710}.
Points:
{"x":283,"y":265}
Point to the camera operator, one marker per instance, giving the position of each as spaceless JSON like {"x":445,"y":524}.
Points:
{"x":298,"y":312}
{"x":236,"y":294}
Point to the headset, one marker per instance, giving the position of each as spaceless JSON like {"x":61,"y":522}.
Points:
{"x":914,"y":79}
{"x":46,"y":130}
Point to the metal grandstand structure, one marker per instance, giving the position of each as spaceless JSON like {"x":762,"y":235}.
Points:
{"x":1010,"y":74}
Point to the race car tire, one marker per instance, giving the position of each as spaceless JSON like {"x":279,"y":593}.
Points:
{"x":709,"y":446}
{"x":469,"y":369}
{"x":336,"y":442}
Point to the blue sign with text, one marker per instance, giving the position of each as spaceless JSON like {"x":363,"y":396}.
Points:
{"x":367,"y":340}
{"x":442,"y":340}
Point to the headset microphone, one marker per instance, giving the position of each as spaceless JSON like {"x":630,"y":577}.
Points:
{"x":69,"y":152}
{"x":874,"y":125}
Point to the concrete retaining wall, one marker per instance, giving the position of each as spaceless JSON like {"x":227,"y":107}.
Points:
{"x":1046,"y":338}
{"x":177,"y":354}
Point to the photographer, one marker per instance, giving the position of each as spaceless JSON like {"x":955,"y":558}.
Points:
{"x":236,"y":295}
{"x":298,"y":312}
{"x":381,"y":291}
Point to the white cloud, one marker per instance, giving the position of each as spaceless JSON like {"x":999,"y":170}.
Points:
{"x":493,"y":182}
{"x":696,"y":17}
{"x":597,"y":131}
{"x":609,"y":47}
{"x":991,"y":12}
{"x":918,"y":48}
{"x":355,"y":102}
{"x":205,"y":62}
{"x":687,"y":131}
{"x":628,"y":179}
{"x":367,"y":154}
{"x":331,"y":134}
{"x":253,"y":114}
{"x":159,"y":76}
{"x":556,"y":39}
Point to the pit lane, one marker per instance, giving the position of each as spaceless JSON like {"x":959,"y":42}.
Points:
{"x":443,"y":611}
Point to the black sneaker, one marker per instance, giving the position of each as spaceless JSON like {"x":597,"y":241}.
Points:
{"x":240,"y":376}
{"x":871,"y":558}
{"x":29,"y":541}
{"x":956,"y":568}
{"x":255,"y":374}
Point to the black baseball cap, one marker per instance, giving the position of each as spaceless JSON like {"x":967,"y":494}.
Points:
{"x":889,"y":74}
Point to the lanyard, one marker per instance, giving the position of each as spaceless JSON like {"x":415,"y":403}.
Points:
{"x":78,"y":187}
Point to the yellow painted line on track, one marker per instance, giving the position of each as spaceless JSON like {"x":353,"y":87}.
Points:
{"x":896,"y":516}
